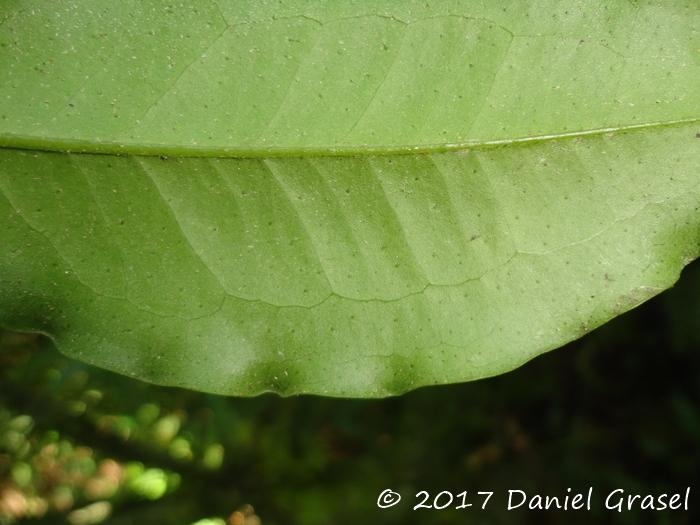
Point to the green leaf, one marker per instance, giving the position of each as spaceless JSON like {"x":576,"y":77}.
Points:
{"x":342,"y":198}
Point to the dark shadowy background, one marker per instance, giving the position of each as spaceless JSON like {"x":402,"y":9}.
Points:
{"x":619,"y":408}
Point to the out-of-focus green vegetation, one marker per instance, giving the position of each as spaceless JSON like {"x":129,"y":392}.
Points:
{"x":619,"y":408}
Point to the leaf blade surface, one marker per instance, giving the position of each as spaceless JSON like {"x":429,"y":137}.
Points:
{"x":465,"y":213}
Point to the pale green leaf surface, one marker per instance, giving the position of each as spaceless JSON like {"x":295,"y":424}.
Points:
{"x":344,"y":198}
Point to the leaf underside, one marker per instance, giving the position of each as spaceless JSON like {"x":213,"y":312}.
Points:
{"x":349,"y":200}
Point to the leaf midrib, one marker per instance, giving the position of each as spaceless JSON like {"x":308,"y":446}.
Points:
{"x":78,"y":146}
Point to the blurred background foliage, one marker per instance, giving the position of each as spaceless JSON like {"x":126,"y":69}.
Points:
{"x":620,"y":408}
